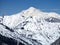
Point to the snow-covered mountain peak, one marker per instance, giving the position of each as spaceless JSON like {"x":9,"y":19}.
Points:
{"x":13,"y":20}
{"x":31,"y":8}
{"x":37,"y":12}
{"x":31,"y":11}
{"x":33,"y":26}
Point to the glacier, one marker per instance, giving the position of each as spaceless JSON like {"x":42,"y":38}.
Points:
{"x":31,"y":27}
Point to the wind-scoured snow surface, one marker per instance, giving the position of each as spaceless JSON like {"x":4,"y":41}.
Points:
{"x":31,"y":27}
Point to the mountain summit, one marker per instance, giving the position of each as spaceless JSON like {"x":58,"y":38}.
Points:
{"x":35,"y":12}
{"x":31,"y":27}
{"x":31,"y":8}
{"x":31,"y":11}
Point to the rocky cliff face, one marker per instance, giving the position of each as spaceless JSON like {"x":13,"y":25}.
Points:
{"x":31,"y":27}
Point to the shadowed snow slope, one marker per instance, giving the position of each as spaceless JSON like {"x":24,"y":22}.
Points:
{"x":32,"y":26}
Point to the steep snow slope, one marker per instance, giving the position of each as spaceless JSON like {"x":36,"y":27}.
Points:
{"x":33,"y":26}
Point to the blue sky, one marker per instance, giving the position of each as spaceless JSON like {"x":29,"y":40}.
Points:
{"x":9,"y":7}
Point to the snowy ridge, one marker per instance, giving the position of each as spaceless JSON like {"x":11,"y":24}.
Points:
{"x":33,"y":26}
